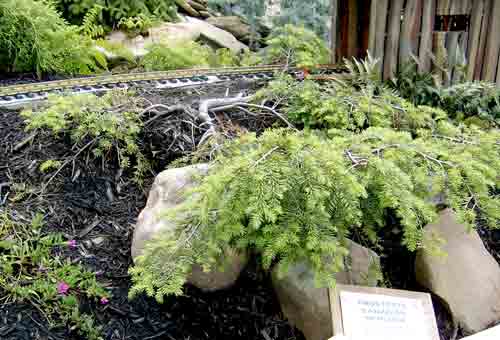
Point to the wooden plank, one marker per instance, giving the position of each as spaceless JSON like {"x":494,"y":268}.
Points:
{"x":493,"y":46}
{"x":382,"y":9}
{"x":373,"y":27}
{"x":498,"y":73}
{"x":392,"y":43}
{"x":474,"y":37}
{"x":452,"y":43}
{"x":334,"y":12}
{"x":410,"y":28}
{"x":485,"y":29}
{"x":439,"y":43}
{"x":425,"y":50}
{"x":352,"y":35}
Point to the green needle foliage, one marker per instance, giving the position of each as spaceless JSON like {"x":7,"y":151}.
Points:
{"x":92,"y":122}
{"x":34,"y":38}
{"x":294,"y":196}
{"x":341,"y":106}
{"x":31,"y":270}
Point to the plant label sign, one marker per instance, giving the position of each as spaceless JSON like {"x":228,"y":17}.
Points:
{"x":362,"y":313}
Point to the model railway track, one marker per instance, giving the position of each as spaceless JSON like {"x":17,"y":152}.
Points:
{"x":18,"y":95}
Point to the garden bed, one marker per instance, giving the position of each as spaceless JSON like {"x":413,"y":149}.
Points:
{"x":98,"y":205}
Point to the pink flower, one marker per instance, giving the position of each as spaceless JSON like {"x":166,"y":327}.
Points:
{"x":62,"y":288}
{"x":104,"y":301}
{"x":72,"y":244}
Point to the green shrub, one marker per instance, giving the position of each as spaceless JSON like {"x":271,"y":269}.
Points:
{"x":116,"y":10}
{"x":31,"y":271}
{"x":472,"y":99}
{"x":163,"y":57}
{"x":33,"y":37}
{"x":295,"y":197}
{"x":92,"y":122}
{"x":296,"y":46}
{"x":340,"y":106}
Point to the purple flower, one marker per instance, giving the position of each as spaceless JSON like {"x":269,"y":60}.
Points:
{"x":104,"y":301}
{"x":62,"y":288}
{"x":72,"y":244}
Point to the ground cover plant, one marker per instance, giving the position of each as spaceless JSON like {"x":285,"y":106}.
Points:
{"x":34,"y":271}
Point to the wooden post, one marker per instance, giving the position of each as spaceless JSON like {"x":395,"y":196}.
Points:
{"x":392,"y":45}
{"x":493,"y":46}
{"x":334,"y":10}
{"x":425,"y":51}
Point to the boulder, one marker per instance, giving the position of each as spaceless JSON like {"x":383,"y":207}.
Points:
{"x":467,"y":279}
{"x":165,"y":194}
{"x":216,"y":36}
{"x":234,"y":25}
{"x":306,"y":306}
{"x":189,"y":29}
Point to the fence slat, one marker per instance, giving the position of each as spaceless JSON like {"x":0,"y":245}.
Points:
{"x":382,"y":9}
{"x":439,"y":43}
{"x":474,"y":36}
{"x":409,"y":30}
{"x":392,"y":45}
{"x":334,"y":12}
{"x":485,"y":29}
{"x":498,"y":73}
{"x":425,"y":50}
{"x":353,"y":44}
{"x":373,"y":27}
{"x":492,"y":47}
{"x":452,"y":43}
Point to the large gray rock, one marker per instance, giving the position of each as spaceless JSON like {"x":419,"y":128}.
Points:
{"x":306,"y":306}
{"x":189,"y":29}
{"x":167,"y":193}
{"x":468,"y":278}
{"x":234,"y":25}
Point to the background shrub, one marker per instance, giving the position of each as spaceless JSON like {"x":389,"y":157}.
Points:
{"x":34,"y":38}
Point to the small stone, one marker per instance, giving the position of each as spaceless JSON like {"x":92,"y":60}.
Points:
{"x":308,"y":307}
{"x":468,"y":278}
{"x":98,"y":240}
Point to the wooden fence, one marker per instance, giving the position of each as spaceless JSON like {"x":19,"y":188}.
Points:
{"x":449,"y":37}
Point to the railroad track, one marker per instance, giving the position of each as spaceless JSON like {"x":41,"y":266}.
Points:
{"x":19,"y":95}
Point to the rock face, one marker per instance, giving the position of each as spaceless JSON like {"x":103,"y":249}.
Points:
{"x":306,"y":306}
{"x":468,"y":279}
{"x":165,"y":194}
{"x":190,"y":29}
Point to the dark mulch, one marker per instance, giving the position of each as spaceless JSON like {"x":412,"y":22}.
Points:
{"x":98,"y":207}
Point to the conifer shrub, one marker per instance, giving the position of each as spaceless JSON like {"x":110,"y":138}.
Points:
{"x":296,"y":46}
{"x":295,"y":196}
{"x":92,"y":124}
{"x":342,"y":106}
{"x":34,"y":38}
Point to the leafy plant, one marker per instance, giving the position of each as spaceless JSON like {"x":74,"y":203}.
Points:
{"x":116,"y":10}
{"x":32,"y":271}
{"x":341,"y":106}
{"x":34,"y":38}
{"x":90,"y":25}
{"x":92,"y":121}
{"x":49,"y":165}
{"x":294,"y":196}
{"x":163,"y":57}
{"x":136,"y":25}
{"x":296,"y":46}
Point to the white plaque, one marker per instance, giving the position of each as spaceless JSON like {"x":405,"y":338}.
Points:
{"x":382,"y":317}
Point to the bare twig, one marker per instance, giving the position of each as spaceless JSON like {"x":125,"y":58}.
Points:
{"x":168,"y":110}
{"x":267,"y":154}
{"x":25,"y":141}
